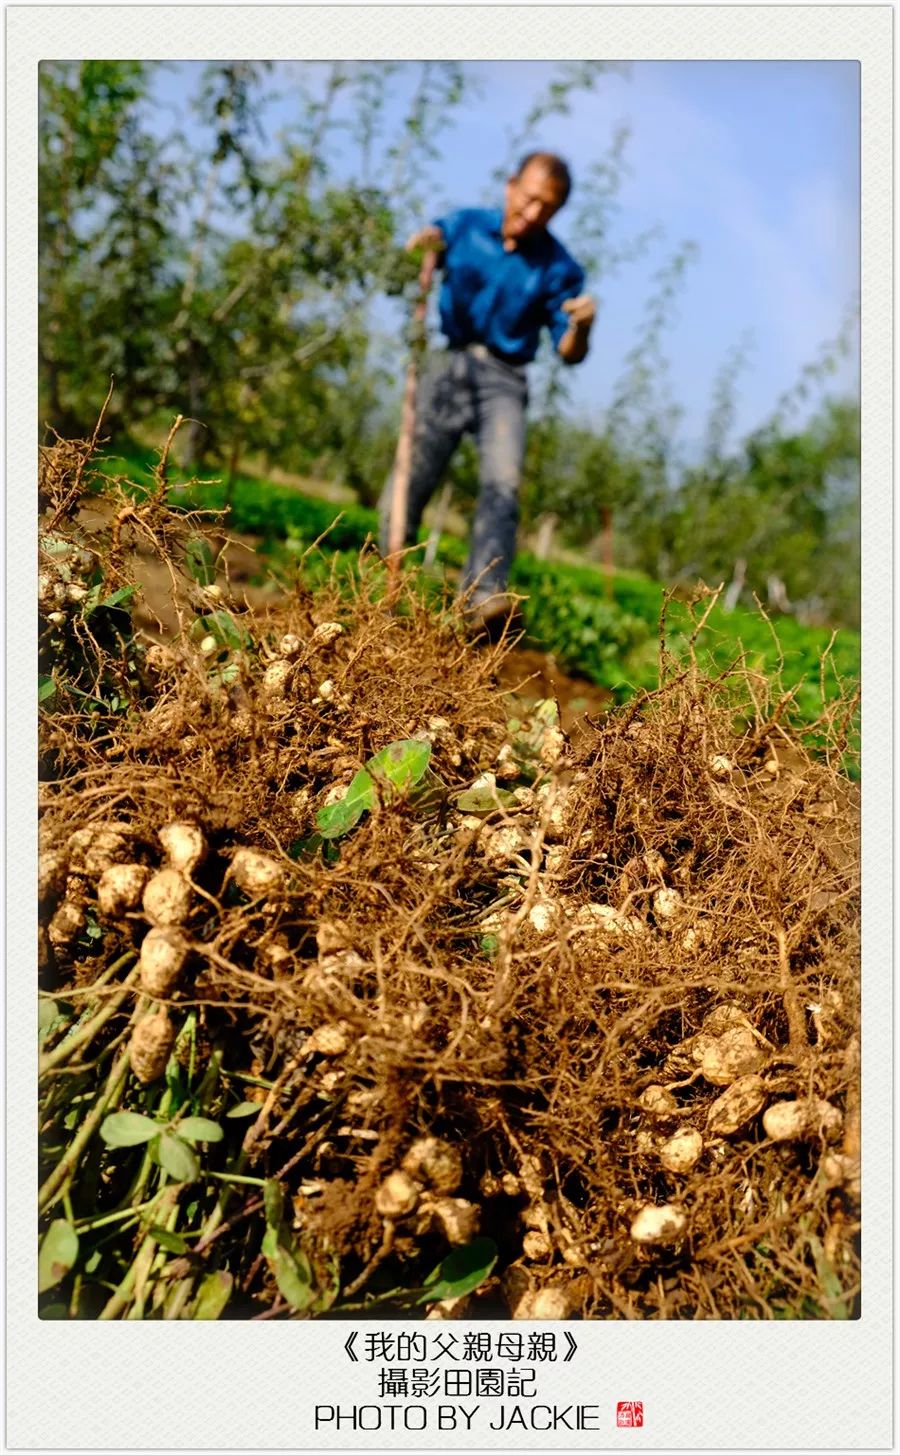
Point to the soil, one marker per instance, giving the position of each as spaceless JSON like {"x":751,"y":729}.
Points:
{"x":527,"y":674}
{"x":530,"y":675}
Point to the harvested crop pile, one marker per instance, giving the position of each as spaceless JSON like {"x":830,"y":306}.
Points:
{"x":359,"y":994}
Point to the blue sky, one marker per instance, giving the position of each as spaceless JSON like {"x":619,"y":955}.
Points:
{"x":756,"y":162}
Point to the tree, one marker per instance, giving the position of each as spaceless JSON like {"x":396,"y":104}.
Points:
{"x":214,"y":280}
{"x":101,"y":215}
{"x":786,"y":504}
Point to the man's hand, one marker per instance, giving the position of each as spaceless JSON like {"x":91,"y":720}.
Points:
{"x":581,"y":310}
{"x":429,"y":238}
{"x":573,"y":345}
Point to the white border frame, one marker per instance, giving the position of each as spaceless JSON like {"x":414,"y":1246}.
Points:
{"x":704,"y":1386}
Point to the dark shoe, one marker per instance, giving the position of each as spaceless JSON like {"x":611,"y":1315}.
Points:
{"x":493,"y":615}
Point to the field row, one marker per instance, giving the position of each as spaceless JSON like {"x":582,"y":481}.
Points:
{"x":609,"y":637}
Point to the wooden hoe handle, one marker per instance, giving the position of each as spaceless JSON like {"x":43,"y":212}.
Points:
{"x":403,"y":456}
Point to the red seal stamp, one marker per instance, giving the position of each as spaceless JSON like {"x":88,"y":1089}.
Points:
{"x":629,"y":1414}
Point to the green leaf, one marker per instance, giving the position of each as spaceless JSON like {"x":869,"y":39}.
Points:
{"x":199,"y":1129}
{"x":328,"y":1295}
{"x":489,"y":944}
{"x":172,"y":1242}
{"x":176,"y":1084}
{"x":46,"y":689}
{"x":244,"y":1109}
{"x":222,"y":626}
{"x":92,"y":600}
{"x":401,"y":764}
{"x":461,"y":1271}
{"x":293,"y":1274}
{"x":429,"y":793}
{"x":59,"y":1251}
{"x":338,"y":818}
{"x":224,"y":676}
{"x":215,"y":1291}
{"x":838,"y":1307}
{"x":273,"y":1202}
{"x":177,"y":1159}
{"x":201,"y":561}
{"x":484,"y":800}
{"x":127,"y":1129}
{"x":50,"y":1015}
{"x":118,"y":598}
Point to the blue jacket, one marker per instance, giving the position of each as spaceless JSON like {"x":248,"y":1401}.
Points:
{"x":498,"y":298}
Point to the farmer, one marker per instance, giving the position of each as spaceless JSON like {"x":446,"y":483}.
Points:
{"x":504,"y":277}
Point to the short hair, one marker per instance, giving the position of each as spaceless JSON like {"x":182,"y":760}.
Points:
{"x":554,"y":166}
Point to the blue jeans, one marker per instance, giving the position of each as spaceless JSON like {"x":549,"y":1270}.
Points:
{"x":459,"y":390}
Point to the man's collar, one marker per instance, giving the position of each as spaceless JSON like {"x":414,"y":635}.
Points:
{"x":537,"y":244}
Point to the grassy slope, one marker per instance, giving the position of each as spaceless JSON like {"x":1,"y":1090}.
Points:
{"x":613,"y":642}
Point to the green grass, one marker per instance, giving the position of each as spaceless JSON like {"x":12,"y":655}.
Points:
{"x":611,"y":640}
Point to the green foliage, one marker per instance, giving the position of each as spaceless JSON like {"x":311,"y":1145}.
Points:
{"x":400,"y":764}
{"x":461,"y":1271}
{"x":340,"y":817}
{"x":177,"y":1158}
{"x":59,"y":1252}
{"x":611,"y":640}
{"x":291,"y":1268}
{"x":587,"y":633}
{"x":199,"y":1129}
{"x":785,"y":504}
{"x":293,"y":1272}
{"x":215,"y":1291}
{"x":395,"y":769}
{"x":280,"y":512}
{"x":128,"y":1129}
{"x":109,"y":196}
{"x":230,"y":280}
{"x":170,"y":1147}
{"x":87,"y":653}
{"x":244,"y":1109}
{"x":200,"y":561}
{"x":168,"y":1240}
{"x":484,"y":800}
{"x":95,"y":600}
{"x":222,"y":626}
{"x":273,"y":1202}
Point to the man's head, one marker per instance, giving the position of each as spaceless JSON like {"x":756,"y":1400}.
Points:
{"x":534,"y":194}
